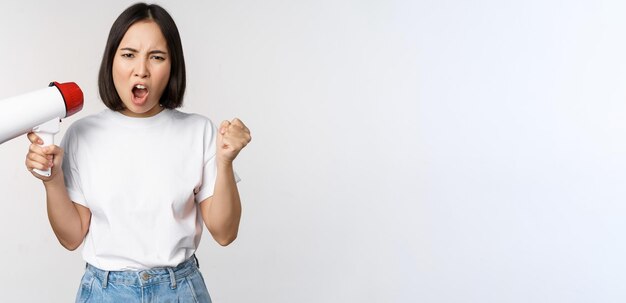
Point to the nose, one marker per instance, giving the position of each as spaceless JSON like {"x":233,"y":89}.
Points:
{"x":141,"y":69}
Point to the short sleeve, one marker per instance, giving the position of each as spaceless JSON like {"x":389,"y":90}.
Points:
{"x":70,"y":167}
{"x":209,"y":169}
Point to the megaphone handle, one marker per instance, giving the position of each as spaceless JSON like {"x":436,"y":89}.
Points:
{"x":48,"y":139}
{"x":46,"y":133}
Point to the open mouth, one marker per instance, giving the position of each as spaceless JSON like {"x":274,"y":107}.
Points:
{"x":140,"y":93}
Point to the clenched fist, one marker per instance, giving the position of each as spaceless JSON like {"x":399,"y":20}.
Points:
{"x":232,"y":137}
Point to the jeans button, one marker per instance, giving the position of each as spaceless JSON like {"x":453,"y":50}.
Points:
{"x":145,"y":276}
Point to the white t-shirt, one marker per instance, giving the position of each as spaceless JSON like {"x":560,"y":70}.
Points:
{"x":142,"y":179}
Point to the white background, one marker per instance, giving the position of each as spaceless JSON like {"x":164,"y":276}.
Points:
{"x":403,"y":151}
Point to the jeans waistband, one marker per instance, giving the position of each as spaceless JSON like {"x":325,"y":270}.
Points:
{"x":146,"y":277}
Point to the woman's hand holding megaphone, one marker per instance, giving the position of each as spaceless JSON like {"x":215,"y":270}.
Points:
{"x":43,"y":158}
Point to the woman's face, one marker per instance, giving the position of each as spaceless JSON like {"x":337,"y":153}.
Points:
{"x":141,"y":69}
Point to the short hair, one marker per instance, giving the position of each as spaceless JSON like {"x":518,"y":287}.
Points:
{"x":172,"y":96}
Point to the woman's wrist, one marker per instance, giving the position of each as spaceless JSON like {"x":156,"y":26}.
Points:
{"x":55,"y":181}
{"x":224,"y":165}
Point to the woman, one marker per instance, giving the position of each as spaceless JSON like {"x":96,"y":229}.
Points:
{"x":136,"y":181}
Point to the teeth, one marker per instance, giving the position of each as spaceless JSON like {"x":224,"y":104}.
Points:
{"x":139,"y":86}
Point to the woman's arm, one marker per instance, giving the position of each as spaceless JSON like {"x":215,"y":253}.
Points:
{"x":69,"y":221}
{"x":222,"y":211}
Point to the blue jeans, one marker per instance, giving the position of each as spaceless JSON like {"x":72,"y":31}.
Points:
{"x":183,"y":283}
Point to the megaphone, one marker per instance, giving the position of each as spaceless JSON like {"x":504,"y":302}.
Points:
{"x":39,"y":111}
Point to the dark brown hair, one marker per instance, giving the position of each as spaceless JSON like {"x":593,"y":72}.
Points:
{"x":174,"y":91}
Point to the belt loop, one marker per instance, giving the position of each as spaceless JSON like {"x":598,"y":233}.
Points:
{"x":172,"y":277}
{"x":197,"y":263}
{"x":105,"y":280}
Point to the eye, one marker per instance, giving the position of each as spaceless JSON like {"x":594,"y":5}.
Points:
{"x":128,"y":55}
{"x":158,"y":58}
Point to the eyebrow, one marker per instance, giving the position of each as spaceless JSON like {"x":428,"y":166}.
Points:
{"x":156,"y":51}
